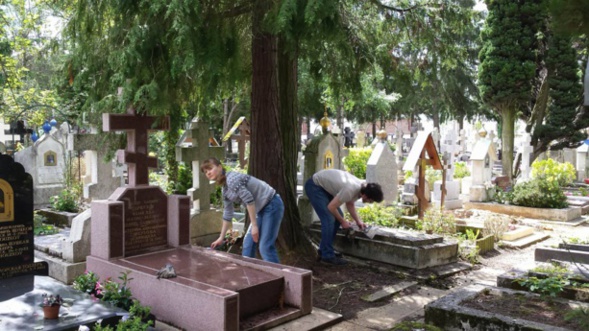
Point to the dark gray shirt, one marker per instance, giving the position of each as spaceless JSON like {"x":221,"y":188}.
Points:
{"x":244,"y":189}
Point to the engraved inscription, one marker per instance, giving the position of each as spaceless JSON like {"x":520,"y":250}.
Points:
{"x":146,"y":223}
{"x":13,"y":241}
{"x":21,"y":269}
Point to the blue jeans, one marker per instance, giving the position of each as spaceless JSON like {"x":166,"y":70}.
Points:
{"x":319,"y":199}
{"x":268,"y":219}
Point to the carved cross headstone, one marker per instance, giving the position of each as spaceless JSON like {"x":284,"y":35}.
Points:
{"x":450,"y":148}
{"x":136,"y":155}
{"x":526,"y":150}
{"x":193,"y":148}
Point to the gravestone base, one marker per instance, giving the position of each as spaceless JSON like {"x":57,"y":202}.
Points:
{"x":477,"y":193}
{"x":397,"y":247}
{"x":60,"y":269}
{"x":452,"y":199}
{"x":226,"y":288}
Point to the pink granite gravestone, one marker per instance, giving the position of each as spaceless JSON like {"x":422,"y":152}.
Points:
{"x":140,"y":229}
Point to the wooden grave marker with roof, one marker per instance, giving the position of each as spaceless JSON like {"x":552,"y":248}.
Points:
{"x":422,"y":153}
{"x":243,"y":127}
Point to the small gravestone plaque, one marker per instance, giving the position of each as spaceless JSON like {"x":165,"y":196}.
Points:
{"x":16,"y":221}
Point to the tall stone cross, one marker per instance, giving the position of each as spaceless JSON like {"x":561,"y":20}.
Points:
{"x":136,"y":155}
{"x":451,"y":147}
{"x":526,"y":150}
{"x":193,"y":148}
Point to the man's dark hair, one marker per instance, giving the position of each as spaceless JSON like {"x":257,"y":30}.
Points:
{"x":373,"y":191}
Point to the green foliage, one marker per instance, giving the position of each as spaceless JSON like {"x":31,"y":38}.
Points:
{"x":379,"y":214}
{"x":461,"y":170}
{"x":551,"y":286}
{"x":437,"y":221}
{"x":539,"y":193}
{"x":86,"y":283}
{"x":576,"y":240}
{"x":412,"y":326}
{"x":496,"y":226}
{"x":501,"y":196}
{"x":117,"y":294}
{"x":562,"y":174}
{"x":184,"y":182}
{"x":356,"y":161}
{"x":68,"y":199}
{"x":469,"y":251}
{"x":41,"y":228}
{"x":580,"y":315}
{"x":432,"y":175}
{"x":554,"y":269}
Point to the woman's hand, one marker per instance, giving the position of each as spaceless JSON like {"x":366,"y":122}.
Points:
{"x":255,"y":233}
{"x":216,"y":243}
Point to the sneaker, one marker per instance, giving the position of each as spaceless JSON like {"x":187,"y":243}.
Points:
{"x":335,"y":261}
{"x":337,"y":254}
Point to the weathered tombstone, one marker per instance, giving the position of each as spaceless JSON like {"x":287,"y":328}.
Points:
{"x":423,"y":153}
{"x":482,"y":158}
{"x":140,"y":230}
{"x":194,"y":148}
{"x":99,"y":181}
{"x":243,"y":127}
{"x":526,"y":150}
{"x":382,"y":169}
{"x":16,"y":221}
{"x":451,"y":199}
{"x":581,"y":165}
{"x":46,"y":162}
{"x":462,"y":141}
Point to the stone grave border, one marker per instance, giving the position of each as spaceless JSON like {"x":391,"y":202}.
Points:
{"x":550,"y":214}
{"x":449,"y":314}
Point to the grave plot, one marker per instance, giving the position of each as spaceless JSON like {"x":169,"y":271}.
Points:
{"x":565,"y":252}
{"x":141,"y":230}
{"x":394,"y":246}
{"x":479,"y":307}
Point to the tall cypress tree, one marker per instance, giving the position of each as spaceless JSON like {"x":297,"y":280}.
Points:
{"x":507,"y":63}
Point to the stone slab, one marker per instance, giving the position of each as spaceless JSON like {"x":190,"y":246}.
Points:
{"x":563,"y":215}
{"x":448,"y":313}
{"x":526,"y":241}
{"x":318,"y":319}
{"x":59,"y":218}
{"x":388,"y":291}
{"x":213,"y":281}
{"x":543,"y":254}
{"x":19,"y":306}
{"x":385,"y":317}
{"x":51,"y":244}
{"x":414,"y":256}
{"x":575,"y":247}
{"x":60,"y":269}
{"x":517,"y":233}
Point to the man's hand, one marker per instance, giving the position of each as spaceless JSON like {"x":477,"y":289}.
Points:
{"x":361,"y":225}
{"x":216,"y":243}
{"x":346,"y":225}
{"x":255,"y":233}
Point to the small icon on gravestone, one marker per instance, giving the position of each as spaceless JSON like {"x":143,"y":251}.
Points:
{"x":50,"y":159}
{"x":166,"y":272}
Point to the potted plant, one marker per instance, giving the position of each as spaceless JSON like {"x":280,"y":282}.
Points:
{"x":51,"y":304}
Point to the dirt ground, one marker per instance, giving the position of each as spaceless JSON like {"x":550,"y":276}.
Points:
{"x":339,"y":289}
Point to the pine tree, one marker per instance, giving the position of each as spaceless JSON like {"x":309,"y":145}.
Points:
{"x":507,"y":63}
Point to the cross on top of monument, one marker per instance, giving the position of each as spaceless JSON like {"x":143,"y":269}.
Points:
{"x":194,"y":148}
{"x":136,"y":155}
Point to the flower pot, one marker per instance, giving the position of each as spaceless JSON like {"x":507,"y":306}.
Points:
{"x":586,"y":180}
{"x":51,"y":312}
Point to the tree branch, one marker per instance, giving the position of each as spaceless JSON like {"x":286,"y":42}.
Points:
{"x":399,"y":10}
{"x":238,"y":10}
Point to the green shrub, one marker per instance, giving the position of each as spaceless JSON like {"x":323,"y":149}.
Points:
{"x":68,"y":199}
{"x":545,"y":286}
{"x":117,"y":294}
{"x":432,"y":176}
{"x":86,"y":283}
{"x":41,"y":228}
{"x":461,"y":170}
{"x":184,"y":179}
{"x":552,"y":171}
{"x":437,"y":221}
{"x":378,"y":214}
{"x":539,"y":193}
{"x":356,"y":161}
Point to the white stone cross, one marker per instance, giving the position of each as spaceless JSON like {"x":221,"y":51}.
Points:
{"x":193,"y":148}
{"x":526,"y":150}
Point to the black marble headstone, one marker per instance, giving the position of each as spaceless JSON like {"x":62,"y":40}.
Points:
{"x":16,"y":222}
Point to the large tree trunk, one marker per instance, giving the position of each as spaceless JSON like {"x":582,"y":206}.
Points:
{"x":507,"y":133}
{"x":266,"y":160}
{"x":291,"y":232}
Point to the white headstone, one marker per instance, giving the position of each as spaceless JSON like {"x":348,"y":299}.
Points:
{"x":581,"y":165}
{"x":526,"y":150}
{"x":382,"y":169}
